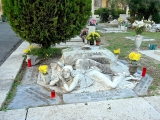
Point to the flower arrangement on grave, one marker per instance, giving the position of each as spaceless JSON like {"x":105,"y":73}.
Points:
{"x":134,"y":57}
{"x":44,"y":73}
{"x":43,"y":69}
{"x":117,"y":51}
{"x":121,"y":22}
{"x":93,"y":36}
{"x":133,"y":65}
{"x":139,"y":27}
{"x":27,"y":51}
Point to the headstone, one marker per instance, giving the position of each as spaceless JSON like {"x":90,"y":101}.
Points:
{"x":32,"y":96}
{"x":98,"y":96}
{"x":142,"y":88}
{"x":92,"y":29}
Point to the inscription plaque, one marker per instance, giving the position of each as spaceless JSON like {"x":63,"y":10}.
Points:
{"x":142,"y":88}
{"x":98,"y":96}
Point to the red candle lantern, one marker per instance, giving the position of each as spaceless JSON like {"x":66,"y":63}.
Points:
{"x":29,"y":62}
{"x":144,"y":70}
{"x":53,"y":94}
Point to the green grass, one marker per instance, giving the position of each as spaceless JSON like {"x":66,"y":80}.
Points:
{"x":114,"y":41}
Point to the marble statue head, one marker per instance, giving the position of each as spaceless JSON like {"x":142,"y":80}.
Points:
{"x":67,"y":71}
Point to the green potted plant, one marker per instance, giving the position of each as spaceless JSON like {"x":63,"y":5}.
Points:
{"x":133,"y":64}
{"x":93,"y":36}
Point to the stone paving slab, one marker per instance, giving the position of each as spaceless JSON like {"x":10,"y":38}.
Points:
{"x":5,"y":86}
{"x":30,"y":76}
{"x":150,"y":53}
{"x":122,"y":109}
{"x":154,"y":101}
{"x":144,"y":38}
{"x":32,"y":96}
{"x":19,"y":114}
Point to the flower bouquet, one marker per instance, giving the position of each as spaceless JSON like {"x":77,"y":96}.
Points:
{"x":28,"y":54}
{"x":139,"y":27}
{"x":44,"y":73}
{"x":93,"y":36}
{"x":116,"y":53}
{"x":134,"y":57}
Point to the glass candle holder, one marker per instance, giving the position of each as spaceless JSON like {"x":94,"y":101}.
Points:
{"x":53,"y":94}
{"x":29,"y":63}
{"x":144,"y":70}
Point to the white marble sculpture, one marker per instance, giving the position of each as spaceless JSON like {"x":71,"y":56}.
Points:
{"x":84,"y":70}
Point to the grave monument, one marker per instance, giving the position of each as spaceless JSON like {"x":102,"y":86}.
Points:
{"x":86,"y":69}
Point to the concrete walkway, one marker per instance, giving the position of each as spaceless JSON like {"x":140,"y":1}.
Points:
{"x":147,"y":108}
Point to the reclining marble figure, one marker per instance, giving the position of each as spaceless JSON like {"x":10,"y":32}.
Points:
{"x":80,"y":68}
{"x":85,"y":73}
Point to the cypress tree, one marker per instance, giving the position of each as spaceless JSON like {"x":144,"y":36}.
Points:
{"x":47,"y":22}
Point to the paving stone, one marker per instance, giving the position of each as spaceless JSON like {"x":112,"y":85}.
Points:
{"x":122,"y":109}
{"x":32,"y":96}
{"x":144,"y":38}
{"x":5,"y":86}
{"x":13,"y":114}
{"x":142,"y":88}
{"x":30,"y":76}
{"x":154,"y":101}
{"x":98,"y":96}
{"x":151,"y":53}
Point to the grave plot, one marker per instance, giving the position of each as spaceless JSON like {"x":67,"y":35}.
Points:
{"x":34,"y":92}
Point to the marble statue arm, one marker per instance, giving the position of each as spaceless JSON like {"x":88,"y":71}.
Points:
{"x":72,"y":85}
{"x":53,"y":82}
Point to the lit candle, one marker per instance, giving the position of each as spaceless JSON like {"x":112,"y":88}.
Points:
{"x":29,"y":62}
{"x":144,"y":70}
{"x":53,"y":94}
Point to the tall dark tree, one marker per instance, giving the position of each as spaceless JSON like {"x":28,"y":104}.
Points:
{"x":47,"y":22}
{"x":144,"y":8}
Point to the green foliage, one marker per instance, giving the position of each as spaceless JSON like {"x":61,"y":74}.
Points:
{"x":105,"y":12}
{"x":45,"y":53}
{"x":144,"y":8}
{"x":47,"y":22}
{"x":115,"y":13}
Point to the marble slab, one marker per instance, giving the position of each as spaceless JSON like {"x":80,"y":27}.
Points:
{"x":98,"y":96}
{"x":144,"y":38}
{"x":121,"y":109}
{"x":32,"y":96}
{"x":19,"y":114}
{"x":142,"y":88}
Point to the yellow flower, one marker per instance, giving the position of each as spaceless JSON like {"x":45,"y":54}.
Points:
{"x":26,"y":50}
{"x":43,"y":69}
{"x":117,"y":51}
{"x":31,"y":46}
{"x":134,"y":56}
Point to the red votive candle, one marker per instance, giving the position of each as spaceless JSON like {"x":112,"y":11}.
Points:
{"x":144,"y":70}
{"x":53,"y":94}
{"x":29,"y":63}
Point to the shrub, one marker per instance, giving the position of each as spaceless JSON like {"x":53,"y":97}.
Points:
{"x":47,"y":22}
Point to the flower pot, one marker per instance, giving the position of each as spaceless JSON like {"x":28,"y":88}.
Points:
{"x":45,"y":78}
{"x":122,"y":28}
{"x":138,"y":41}
{"x":98,"y":43}
{"x":91,"y":42}
{"x":116,"y":57}
{"x":133,"y":68}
